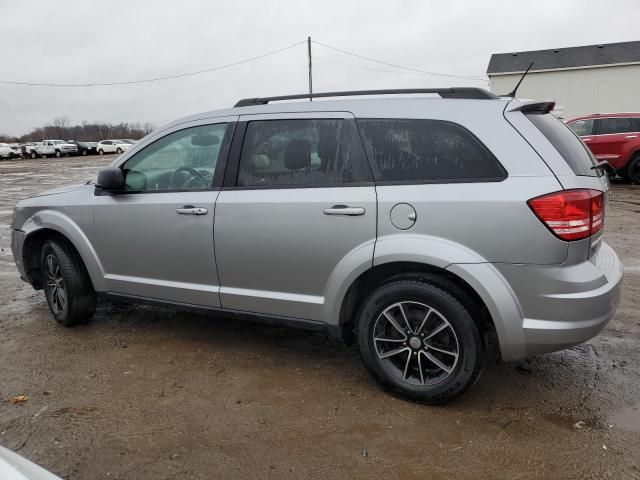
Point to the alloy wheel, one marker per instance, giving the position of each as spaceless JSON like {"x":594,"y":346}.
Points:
{"x":416,"y":343}
{"x":55,"y":285}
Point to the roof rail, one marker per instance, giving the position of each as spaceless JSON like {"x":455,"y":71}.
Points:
{"x":461,"y":92}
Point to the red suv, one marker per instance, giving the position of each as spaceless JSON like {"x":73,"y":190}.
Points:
{"x":614,"y":137}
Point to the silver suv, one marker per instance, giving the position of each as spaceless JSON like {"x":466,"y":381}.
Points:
{"x":414,"y":226}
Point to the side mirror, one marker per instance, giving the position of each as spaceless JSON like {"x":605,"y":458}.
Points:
{"x":110,"y":179}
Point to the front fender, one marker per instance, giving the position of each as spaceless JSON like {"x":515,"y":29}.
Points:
{"x":61,"y":223}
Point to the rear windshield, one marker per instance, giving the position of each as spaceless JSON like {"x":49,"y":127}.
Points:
{"x":567,"y":143}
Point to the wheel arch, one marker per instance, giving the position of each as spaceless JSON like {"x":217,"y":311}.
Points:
{"x":51,"y":224}
{"x":378,"y":275}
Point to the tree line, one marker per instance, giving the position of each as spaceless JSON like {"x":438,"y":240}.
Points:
{"x":61,"y":129}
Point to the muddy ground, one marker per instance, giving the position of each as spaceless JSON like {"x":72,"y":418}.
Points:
{"x":142,"y":392}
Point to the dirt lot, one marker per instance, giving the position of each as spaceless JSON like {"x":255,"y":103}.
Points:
{"x":142,"y":392}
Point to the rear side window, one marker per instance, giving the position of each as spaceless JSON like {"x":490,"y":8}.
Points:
{"x":301,"y":153}
{"x":574,"y":152}
{"x":607,"y":126}
{"x":422,"y":151}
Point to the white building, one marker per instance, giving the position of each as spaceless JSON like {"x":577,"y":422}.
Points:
{"x":582,"y":80}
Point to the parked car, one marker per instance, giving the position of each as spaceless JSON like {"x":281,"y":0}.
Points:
{"x":30,"y":150}
{"x":85,"y":148}
{"x":614,"y":137}
{"x":415,"y":227}
{"x":7,"y":152}
{"x":112,"y":146}
{"x":15,"y":467}
{"x":55,"y":148}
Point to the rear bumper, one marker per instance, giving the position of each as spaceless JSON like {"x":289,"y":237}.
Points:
{"x":563,"y":305}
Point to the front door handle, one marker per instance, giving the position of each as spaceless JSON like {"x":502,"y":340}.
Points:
{"x":191,"y":210}
{"x":344,"y":210}
{"x":631,"y":136}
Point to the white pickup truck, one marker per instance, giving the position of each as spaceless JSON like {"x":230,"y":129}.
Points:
{"x":58,"y":148}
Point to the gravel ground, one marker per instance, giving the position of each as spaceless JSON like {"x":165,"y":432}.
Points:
{"x":143,"y":392}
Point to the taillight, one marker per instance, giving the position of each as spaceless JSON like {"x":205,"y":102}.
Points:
{"x":571,"y":214}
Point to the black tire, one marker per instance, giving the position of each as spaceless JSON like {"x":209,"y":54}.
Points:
{"x":64,"y":277}
{"x":84,"y":153}
{"x":633,"y":170}
{"x":462,"y":332}
{"x":33,"y":155}
{"x":119,"y":151}
{"x":58,"y":154}
{"x":101,"y":152}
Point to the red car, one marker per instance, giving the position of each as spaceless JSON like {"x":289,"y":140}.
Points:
{"x":614,"y":137}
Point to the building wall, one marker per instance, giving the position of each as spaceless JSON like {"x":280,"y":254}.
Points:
{"x":579,"y":91}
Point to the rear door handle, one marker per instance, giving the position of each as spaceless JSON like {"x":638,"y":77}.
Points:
{"x":344,"y":210}
{"x":631,"y":136}
{"x":191,"y":210}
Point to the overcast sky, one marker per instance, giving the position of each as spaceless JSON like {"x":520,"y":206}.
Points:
{"x":89,"y":41}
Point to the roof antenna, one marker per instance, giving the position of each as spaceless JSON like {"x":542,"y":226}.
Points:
{"x":512,"y":94}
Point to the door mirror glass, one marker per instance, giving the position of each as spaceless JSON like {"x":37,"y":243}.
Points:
{"x":110,"y":179}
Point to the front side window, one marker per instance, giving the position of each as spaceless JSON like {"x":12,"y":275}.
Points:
{"x":582,"y":128}
{"x":182,"y":160}
{"x":301,"y":153}
{"x":413,"y":150}
{"x":613,"y":125}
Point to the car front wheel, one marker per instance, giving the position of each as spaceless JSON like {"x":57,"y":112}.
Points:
{"x":633,"y":170}
{"x":66,"y":284}
{"x":419,"y":341}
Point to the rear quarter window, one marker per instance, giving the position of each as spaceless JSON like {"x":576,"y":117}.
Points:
{"x":567,"y":143}
{"x":427,"y":151}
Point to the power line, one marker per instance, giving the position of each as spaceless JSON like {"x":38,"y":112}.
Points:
{"x":327,"y":60}
{"x":396,"y":65}
{"x":156,"y":79}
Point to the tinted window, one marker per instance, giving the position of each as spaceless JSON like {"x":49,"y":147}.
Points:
{"x":426,"y":151}
{"x":582,"y":128}
{"x":613,"y":125}
{"x":574,"y":152}
{"x":182,"y":160}
{"x":301,"y":153}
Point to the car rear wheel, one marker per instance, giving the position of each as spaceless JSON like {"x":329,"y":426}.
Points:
{"x":633,"y":169}
{"x":84,"y":153}
{"x":119,"y":151}
{"x":419,"y":341}
{"x":33,"y":155}
{"x":58,"y":153}
{"x":66,"y":284}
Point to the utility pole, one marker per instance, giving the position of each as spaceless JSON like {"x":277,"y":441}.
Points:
{"x":310,"y":72}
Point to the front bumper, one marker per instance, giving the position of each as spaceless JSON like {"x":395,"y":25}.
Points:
{"x":17,"y":244}
{"x":564,"y":305}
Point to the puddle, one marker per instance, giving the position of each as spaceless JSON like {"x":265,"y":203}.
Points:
{"x":627,"y":419}
{"x":575,"y":423}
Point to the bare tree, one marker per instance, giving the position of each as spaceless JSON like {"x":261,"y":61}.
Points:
{"x":61,"y":128}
